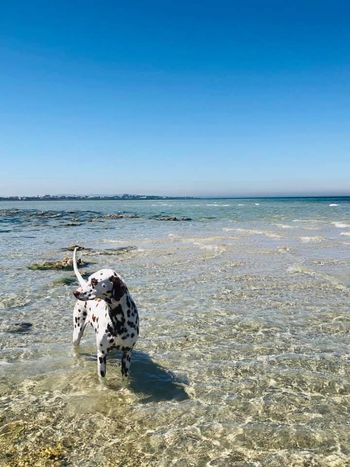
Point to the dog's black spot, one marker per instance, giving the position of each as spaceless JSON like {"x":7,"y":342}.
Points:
{"x":110,"y":331}
{"x":118,"y":321}
{"x":132,"y":335}
{"x":119,"y":288}
{"x":102,"y":373}
{"x":118,"y":310}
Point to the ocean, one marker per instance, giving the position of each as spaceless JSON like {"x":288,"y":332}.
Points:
{"x":243,"y":356}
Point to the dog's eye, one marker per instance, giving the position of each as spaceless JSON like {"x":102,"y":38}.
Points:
{"x":104,"y":286}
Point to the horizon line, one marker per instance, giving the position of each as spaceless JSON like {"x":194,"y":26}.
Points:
{"x":130,"y":197}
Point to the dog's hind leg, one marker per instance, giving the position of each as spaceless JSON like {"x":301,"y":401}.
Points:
{"x":79,"y":318}
{"x":101,"y":344}
{"x":126,"y":359}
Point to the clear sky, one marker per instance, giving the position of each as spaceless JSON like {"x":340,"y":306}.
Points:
{"x":247,"y":97}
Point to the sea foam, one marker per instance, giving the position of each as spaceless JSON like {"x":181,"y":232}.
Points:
{"x":340,"y":225}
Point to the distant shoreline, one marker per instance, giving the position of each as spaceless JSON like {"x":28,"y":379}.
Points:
{"x":90,"y":198}
{"x":160,"y":198}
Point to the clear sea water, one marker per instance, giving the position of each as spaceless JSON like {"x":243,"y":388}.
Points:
{"x":243,"y":357}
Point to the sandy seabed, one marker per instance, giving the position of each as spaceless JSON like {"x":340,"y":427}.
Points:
{"x":243,"y":357}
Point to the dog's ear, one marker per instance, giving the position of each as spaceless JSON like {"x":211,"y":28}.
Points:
{"x":119,"y":288}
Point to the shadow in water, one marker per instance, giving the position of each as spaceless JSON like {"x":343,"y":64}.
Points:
{"x":147,"y":378}
{"x":155,"y":382}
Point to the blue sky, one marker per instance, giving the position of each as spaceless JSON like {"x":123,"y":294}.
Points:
{"x":244,"y":97}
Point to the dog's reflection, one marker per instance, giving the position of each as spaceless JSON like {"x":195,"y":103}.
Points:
{"x":147,"y":378}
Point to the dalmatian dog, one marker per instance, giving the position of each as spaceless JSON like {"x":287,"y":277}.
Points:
{"x":105,"y":303}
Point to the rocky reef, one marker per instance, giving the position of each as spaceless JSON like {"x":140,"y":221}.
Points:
{"x":65,"y":264}
{"x":162,"y":217}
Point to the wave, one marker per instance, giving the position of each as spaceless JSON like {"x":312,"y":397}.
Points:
{"x":284,"y":226}
{"x":252,"y":232}
{"x":219,"y":205}
{"x":340,"y":225}
{"x":315,"y":239}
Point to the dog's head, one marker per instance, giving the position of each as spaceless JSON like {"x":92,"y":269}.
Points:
{"x":105,"y":284}
{"x":99,"y":285}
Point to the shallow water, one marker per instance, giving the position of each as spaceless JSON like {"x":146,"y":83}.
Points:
{"x":243,"y":357}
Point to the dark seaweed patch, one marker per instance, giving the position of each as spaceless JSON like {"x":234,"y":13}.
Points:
{"x":21,"y":328}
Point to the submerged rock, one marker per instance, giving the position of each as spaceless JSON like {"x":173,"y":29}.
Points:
{"x":161,"y":217}
{"x":116,"y":251}
{"x":13,"y":301}
{"x":72,"y":224}
{"x":107,"y":251}
{"x":66,"y":264}
{"x":79,"y":248}
{"x":61,"y":264}
{"x":47,"y":455}
{"x":64,"y":281}
{"x":22,"y":327}
{"x":121,"y":216}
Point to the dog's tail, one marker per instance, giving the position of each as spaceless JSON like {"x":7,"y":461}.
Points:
{"x":75,"y":267}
